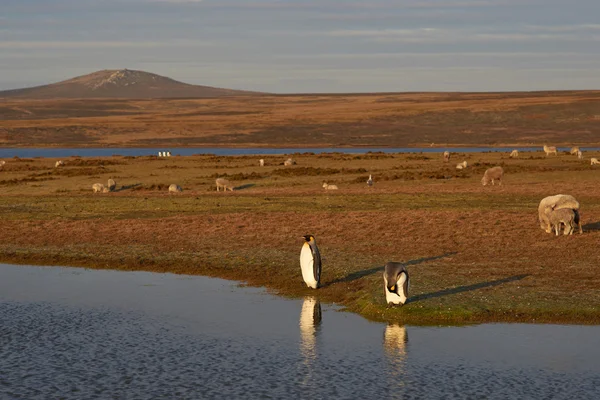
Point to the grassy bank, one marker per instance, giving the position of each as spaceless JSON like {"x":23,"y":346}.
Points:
{"x":475,"y":254}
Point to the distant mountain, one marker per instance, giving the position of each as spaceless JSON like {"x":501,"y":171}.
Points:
{"x":122,"y":83}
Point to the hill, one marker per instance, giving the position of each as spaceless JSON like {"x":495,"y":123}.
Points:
{"x":120,"y":84}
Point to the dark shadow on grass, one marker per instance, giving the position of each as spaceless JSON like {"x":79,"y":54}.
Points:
{"x":126,"y":187}
{"x":591,"y":227}
{"x":246,"y":186}
{"x":468,"y":288}
{"x":360,"y":274}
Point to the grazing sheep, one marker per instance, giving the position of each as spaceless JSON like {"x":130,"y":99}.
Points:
{"x":461,"y":165}
{"x":223,"y":183}
{"x":99,"y":188}
{"x":174,"y":188}
{"x":514,"y":153}
{"x":594,"y":161}
{"x":289,"y":161}
{"x":446,"y":156}
{"x":112,"y":185}
{"x":557,"y":202}
{"x":550,"y":150}
{"x":491,"y":175}
{"x":59,"y":163}
{"x":370,"y":180}
{"x":559,"y":217}
{"x":329,"y":187}
{"x":574,"y":150}
{"x":261,"y":162}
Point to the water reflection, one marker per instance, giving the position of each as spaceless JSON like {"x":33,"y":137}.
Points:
{"x":395,"y":339}
{"x":310,"y":319}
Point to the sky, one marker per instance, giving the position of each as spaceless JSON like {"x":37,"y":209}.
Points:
{"x":309,"y":46}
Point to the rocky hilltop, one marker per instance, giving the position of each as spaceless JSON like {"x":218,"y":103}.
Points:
{"x":122,"y":83}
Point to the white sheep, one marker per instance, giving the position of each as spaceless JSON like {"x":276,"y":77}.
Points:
{"x":223,"y":183}
{"x":579,"y":154}
{"x":289,"y":161}
{"x":461,"y":165}
{"x":563,"y":216}
{"x":557,"y":202}
{"x":261,"y":162}
{"x":370,"y":180}
{"x":59,"y":163}
{"x":574,"y":150}
{"x":174,"y":188}
{"x":329,"y":187}
{"x":99,"y":188}
{"x":594,"y":161}
{"x":550,"y":150}
{"x":446,"y":156}
{"x":514,"y":153}
{"x":112,"y":185}
{"x":491,"y":175}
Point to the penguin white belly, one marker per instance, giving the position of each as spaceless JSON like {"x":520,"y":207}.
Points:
{"x":393,"y":297}
{"x":306,"y":264}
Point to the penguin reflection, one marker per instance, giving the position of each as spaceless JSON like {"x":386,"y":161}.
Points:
{"x":310,"y":319}
{"x":394,"y":341}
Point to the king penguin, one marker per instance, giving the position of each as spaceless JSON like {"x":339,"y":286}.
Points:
{"x":310,"y":262}
{"x":395,"y":283}
{"x":370,"y":181}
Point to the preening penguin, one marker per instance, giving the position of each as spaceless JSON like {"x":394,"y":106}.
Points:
{"x":395,"y":283}
{"x":310,"y":262}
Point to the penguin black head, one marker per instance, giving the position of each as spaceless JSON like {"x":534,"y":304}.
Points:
{"x":308,"y":238}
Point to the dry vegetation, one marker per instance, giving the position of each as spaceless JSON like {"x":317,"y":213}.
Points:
{"x":474,"y":253}
{"x":402,"y":119}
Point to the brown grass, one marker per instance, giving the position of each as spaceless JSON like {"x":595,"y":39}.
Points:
{"x":403,"y":119}
{"x":474,"y":253}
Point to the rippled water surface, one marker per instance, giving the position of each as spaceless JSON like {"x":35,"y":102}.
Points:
{"x":221,"y":151}
{"x":84,"y":334}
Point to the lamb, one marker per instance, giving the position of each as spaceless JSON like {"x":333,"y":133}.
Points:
{"x":562,"y":216}
{"x":223,"y":183}
{"x":59,"y":163}
{"x":594,"y":161}
{"x":289,"y":161}
{"x":261,"y":162}
{"x":491,"y":175}
{"x":574,"y":150}
{"x":557,"y":202}
{"x":446,"y":156}
{"x":514,"y":153}
{"x":461,"y":165}
{"x":174,"y":188}
{"x":99,"y":188}
{"x":550,"y":150}
{"x":112,"y":185}
{"x":329,"y":187}
{"x":579,"y":154}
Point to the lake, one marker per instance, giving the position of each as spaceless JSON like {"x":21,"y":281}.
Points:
{"x":75,"y":333}
{"x":188,"y":151}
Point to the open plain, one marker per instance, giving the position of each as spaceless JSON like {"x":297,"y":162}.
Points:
{"x":561,"y":118}
{"x":474,"y":253}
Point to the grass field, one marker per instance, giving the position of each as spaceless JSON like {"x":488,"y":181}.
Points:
{"x":475,"y":254}
{"x":380,"y":119}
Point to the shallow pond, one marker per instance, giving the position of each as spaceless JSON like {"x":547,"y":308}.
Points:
{"x":85,"y":334}
{"x":188,"y":151}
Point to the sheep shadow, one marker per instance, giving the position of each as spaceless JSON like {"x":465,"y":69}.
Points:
{"x":360,"y":274}
{"x":127,"y":187}
{"x":591,"y":227}
{"x":246,"y":186}
{"x":467,"y":288}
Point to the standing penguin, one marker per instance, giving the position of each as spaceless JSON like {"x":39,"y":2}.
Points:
{"x":310,"y":262}
{"x":370,"y":181}
{"x":395,"y":283}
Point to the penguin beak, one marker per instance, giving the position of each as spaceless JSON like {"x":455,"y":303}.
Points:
{"x":393,"y":288}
